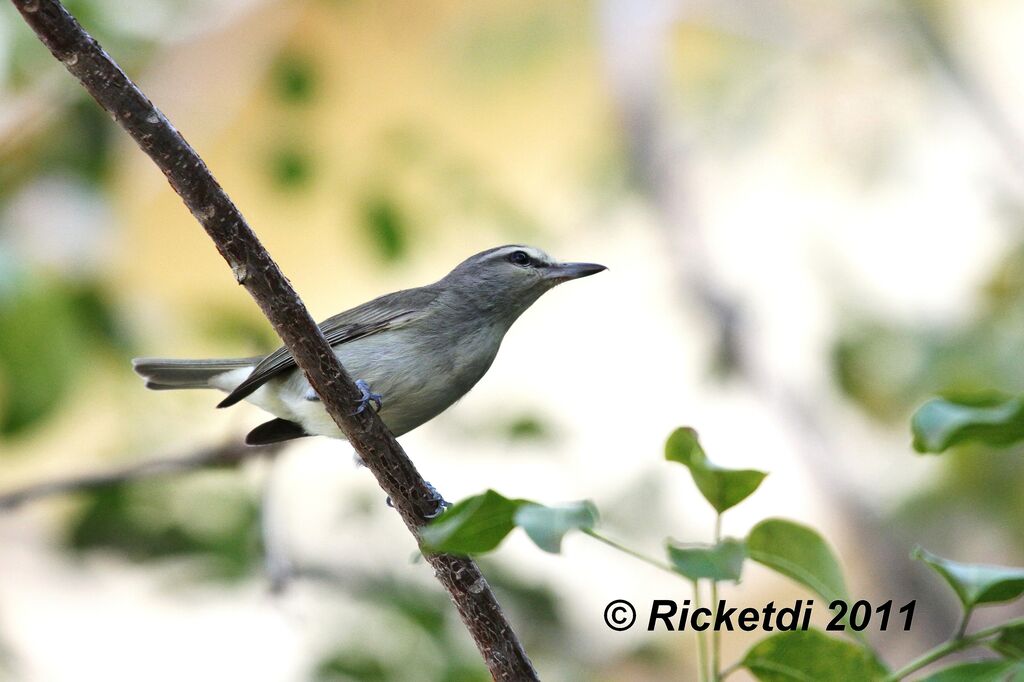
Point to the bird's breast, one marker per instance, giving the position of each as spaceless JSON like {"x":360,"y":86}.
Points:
{"x":420,"y":374}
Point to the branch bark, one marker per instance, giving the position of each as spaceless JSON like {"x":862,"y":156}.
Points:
{"x":259,"y":274}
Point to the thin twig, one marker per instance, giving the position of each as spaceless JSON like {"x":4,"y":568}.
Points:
{"x":254,"y":269}
{"x":950,"y":647}
{"x":626,"y":550}
{"x":226,"y":455}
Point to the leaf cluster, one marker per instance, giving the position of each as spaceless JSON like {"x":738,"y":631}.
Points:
{"x":480,"y":523}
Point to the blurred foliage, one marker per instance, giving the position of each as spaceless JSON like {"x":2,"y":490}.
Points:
{"x":978,"y":496}
{"x":81,"y":145}
{"x":39,"y":356}
{"x":1010,"y":643}
{"x":528,"y":427}
{"x":415,"y":164}
{"x":294,"y":78}
{"x":352,"y":664}
{"x":210,"y":519}
{"x":50,"y":329}
{"x":511,"y":44}
{"x":237,"y":328}
{"x":291,"y":168}
{"x":386,"y":226}
{"x":530,"y":602}
{"x":54,"y":325}
{"x":429,"y":614}
{"x":888,"y":369}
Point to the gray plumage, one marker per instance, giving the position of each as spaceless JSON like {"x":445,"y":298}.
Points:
{"x":422,"y":349}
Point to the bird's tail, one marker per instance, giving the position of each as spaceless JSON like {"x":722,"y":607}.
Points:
{"x":162,"y":374}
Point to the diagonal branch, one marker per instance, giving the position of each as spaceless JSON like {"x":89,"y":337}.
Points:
{"x":259,"y":274}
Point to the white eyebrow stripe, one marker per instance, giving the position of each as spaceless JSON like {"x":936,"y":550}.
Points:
{"x":503,"y":252}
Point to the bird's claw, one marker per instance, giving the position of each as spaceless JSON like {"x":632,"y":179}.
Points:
{"x":367,"y":396}
{"x":432,"y":506}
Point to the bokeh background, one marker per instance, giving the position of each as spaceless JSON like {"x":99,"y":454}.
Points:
{"x":812,"y":216}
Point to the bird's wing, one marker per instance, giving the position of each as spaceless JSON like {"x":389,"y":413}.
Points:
{"x":387,"y":312}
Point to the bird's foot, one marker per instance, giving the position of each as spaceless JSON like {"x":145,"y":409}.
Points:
{"x":367,"y":397}
{"x":432,"y":506}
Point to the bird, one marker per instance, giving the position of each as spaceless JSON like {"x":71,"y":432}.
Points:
{"x":414,"y":352}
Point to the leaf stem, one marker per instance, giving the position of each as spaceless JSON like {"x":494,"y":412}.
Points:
{"x":716,"y":636}
{"x":626,"y":550}
{"x":951,"y":646}
{"x":962,"y":628}
{"x":702,"y":643}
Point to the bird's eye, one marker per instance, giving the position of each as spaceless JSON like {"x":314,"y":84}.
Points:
{"x":519,"y":258}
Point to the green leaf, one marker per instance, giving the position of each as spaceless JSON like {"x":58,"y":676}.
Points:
{"x":546,"y":526}
{"x":944,"y":422}
{"x":809,"y":656}
{"x":1010,"y":642}
{"x":683,"y":446}
{"x":475,"y":525}
{"x":797,"y":552}
{"x":979,"y":671}
{"x":976,"y":584}
{"x":722,"y":488}
{"x":723,"y":561}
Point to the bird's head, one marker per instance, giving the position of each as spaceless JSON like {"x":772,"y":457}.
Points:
{"x":507,"y":280}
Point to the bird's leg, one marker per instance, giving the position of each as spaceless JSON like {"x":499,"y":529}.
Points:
{"x":432,"y":506}
{"x":367,"y":397}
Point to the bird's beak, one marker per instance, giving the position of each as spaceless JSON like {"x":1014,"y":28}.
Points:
{"x":563,"y":272}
